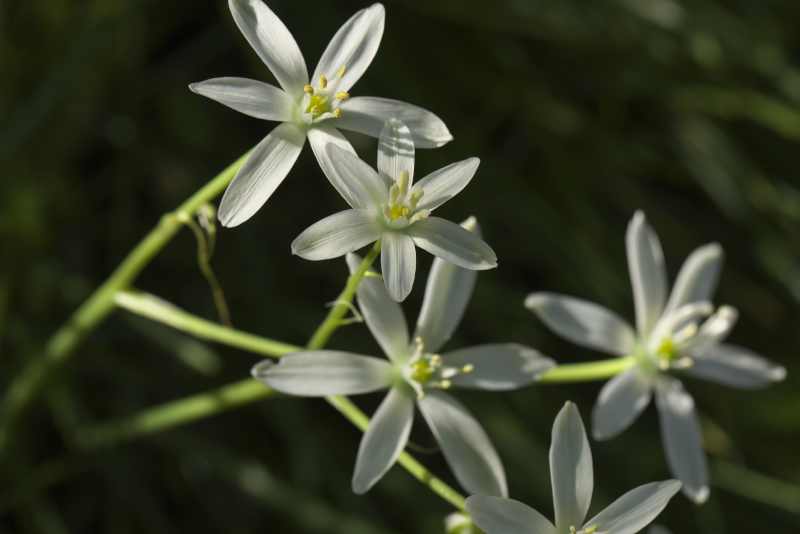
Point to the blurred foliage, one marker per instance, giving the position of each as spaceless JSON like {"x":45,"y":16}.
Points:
{"x":582,"y":112}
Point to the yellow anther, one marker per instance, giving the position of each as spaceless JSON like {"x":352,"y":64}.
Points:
{"x":445,"y":384}
{"x":308,"y":89}
{"x":467,"y":369}
{"x":402,"y":182}
{"x":342,"y":95}
{"x":590,"y":530}
{"x":572,"y":530}
{"x":340,"y":72}
{"x":337,"y":113}
{"x":323,"y":81}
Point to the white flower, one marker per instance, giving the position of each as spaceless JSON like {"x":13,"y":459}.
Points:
{"x":572,"y":478}
{"x":387,"y":205}
{"x":415,"y":371}
{"x":675,"y":336}
{"x":313,"y":109}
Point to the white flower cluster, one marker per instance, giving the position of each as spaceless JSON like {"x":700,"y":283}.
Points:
{"x":675,"y":335}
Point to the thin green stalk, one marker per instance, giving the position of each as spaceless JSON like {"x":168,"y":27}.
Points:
{"x":159,"y":310}
{"x":344,"y":302}
{"x":174,"y":413}
{"x":741,"y":481}
{"x":241,"y":393}
{"x":585,"y":372}
{"x":24,"y":389}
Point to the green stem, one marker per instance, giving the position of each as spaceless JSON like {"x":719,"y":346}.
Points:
{"x":741,"y":481}
{"x":343,"y":302}
{"x":585,"y":372}
{"x":24,"y":389}
{"x":159,"y":310}
{"x":212,"y":402}
{"x":174,"y":413}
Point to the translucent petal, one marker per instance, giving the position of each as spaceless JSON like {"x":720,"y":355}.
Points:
{"x":636,"y":509}
{"x":273,"y":43}
{"x":680,"y":432}
{"x":336,"y":235}
{"x":398,"y":264}
{"x":583,"y":322}
{"x":447,"y":293}
{"x":497,"y":367}
{"x":571,"y":471}
{"x":465,"y":445}
{"x":384,"y":317}
{"x":262,"y":173}
{"x":496,"y":515}
{"x":384,"y":439}
{"x":737,"y":367}
{"x":367,"y":115}
{"x":357,"y":182}
{"x":452,"y":243}
{"x":647,"y":271}
{"x":697,"y":279}
{"x":325,"y":372}
{"x":396,"y":150}
{"x":353,"y":48}
{"x":621,"y":401}
{"x":442,"y":185}
{"x":256,"y":99}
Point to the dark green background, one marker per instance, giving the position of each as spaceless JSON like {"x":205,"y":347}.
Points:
{"x":582,"y":112}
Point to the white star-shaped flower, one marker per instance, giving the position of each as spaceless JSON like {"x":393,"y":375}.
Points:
{"x":313,"y":109}
{"x":682,"y":334}
{"x":415,"y":372}
{"x":389,"y":206}
{"x":572,"y":479}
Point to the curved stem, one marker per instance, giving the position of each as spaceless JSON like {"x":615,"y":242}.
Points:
{"x":586,"y":372}
{"x":244,"y":392}
{"x":24,"y":389}
{"x":159,"y":310}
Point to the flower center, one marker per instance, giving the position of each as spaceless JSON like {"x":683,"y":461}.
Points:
{"x":425,"y":370}
{"x":403,"y":200}
{"x":322,"y":102}
{"x":587,"y":530}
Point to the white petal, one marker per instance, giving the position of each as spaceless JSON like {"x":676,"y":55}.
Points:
{"x":647,"y":271}
{"x":273,"y":43}
{"x":442,"y":185}
{"x":384,"y":439}
{"x":453,"y":243}
{"x":447,"y":293}
{"x":465,"y":445}
{"x":262,"y":173}
{"x":353,"y":47}
{"x":367,"y":115}
{"x":497,"y":367}
{"x":336,"y":235}
{"x":621,"y":401}
{"x":357,"y":182}
{"x":636,"y":509}
{"x":496,"y":515}
{"x":571,"y":471}
{"x":697,"y":278}
{"x":257,"y":99}
{"x":384,"y":317}
{"x":680,"y":432}
{"x":398,"y":264}
{"x":737,"y":367}
{"x":583,"y":322}
{"x":325,"y":372}
{"x":396,"y":150}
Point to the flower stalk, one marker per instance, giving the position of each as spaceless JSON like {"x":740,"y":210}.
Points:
{"x":26,"y":387}
{"x":587,"y":372}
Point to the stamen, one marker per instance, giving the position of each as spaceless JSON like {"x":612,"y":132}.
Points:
{"x":342,"y":95}
{"x":337,"y":113}
{"x":467,"y":369}
{"x":308,"y":89}
{"x":341,"y":71}
{"x":323,"y":81}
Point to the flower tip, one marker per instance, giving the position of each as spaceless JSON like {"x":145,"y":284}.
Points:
{"x":261,"y":370}
{"x":698,"y":496}
{"x":534,"y":301}
{"x":777,"y":373}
